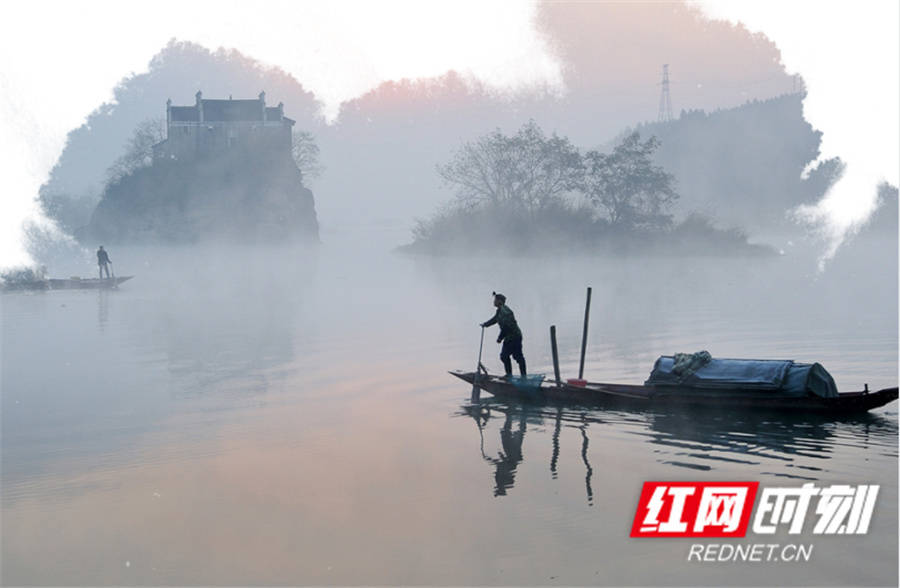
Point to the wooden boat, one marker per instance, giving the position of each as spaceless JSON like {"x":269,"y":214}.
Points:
{"x":693,"y":380}
{"x":78,"y":283}
{"x":67,"y":283}
{"x":656,"y":395}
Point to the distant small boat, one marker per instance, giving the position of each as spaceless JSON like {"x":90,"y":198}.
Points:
{"x":78,"y":283}
{"x":762,"y":384}
{"x":67,"y":283}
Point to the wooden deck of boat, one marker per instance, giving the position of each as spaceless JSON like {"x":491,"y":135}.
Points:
{"x":67,"y":284}
{"x":597,"y":392}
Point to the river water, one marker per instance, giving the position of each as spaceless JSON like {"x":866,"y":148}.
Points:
{"x":249,"y":416}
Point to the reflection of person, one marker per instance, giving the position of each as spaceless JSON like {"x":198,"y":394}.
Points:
{"x":510,"y":335}
{"x":508,"y":460}
{"x":103,"y":261}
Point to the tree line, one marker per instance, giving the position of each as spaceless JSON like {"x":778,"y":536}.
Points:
{"x":528,"y":191}
{"x":532,"y":173}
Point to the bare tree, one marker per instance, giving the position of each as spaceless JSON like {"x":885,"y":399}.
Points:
{"x":139,"y":150}
{"x":306,"y":154}
{"x":633,"y":191}
{"x":526,"y":170}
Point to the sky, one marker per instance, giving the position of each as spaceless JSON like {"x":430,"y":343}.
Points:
{"x":55,"y":71}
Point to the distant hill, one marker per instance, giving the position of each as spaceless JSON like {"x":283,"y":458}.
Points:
{"x":886,"y":217}
{"x":743,"y":165}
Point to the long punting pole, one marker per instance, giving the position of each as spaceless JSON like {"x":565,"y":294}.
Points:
{"x":480,"y":347}
{"x":476,"y":393}
{"x":587,"y":315}
{"x":555,"y":354}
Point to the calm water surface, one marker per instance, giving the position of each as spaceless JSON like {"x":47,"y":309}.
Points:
{"x":267,"y":417}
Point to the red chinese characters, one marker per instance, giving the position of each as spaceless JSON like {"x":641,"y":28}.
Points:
{"x":694,"y":509}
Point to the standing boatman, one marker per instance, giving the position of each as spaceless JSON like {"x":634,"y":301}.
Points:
{"x":103,"y":261}
{"x":510,"y":335}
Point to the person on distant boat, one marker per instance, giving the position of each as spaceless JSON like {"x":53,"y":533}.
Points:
{"x":103,"y":261}
{"x":510,"y":335}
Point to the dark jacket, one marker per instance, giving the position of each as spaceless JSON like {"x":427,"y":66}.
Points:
{"x":504,"y":317}
{"x":102,"y":257}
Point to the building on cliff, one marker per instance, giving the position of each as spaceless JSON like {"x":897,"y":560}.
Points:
{"x":211,"y":127}
{"x":224,"y":172}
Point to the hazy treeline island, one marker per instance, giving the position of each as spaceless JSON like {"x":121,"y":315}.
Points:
{"x":529,"y":192}
{"x":704,"y":182}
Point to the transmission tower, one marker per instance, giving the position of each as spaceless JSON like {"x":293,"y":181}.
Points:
{"x":665,"y":100}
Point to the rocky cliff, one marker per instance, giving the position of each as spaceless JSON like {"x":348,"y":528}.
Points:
{"x":236,"y":196}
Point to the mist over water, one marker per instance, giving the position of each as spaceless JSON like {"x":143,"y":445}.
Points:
{"x":244,"y":415}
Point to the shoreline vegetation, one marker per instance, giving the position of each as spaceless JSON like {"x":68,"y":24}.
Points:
{"x":463,"y":233}
{"x":528,"y":194}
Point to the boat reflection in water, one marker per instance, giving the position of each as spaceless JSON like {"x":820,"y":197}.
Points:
{"x":750,"y":444}
{"x":516,"y":418}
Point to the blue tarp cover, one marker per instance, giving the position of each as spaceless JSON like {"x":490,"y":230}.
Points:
{"x":759,"y":374}
{"x":782,"y":376}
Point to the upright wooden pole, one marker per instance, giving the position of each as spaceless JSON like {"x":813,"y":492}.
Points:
{"x":555,"y":354}
{"x":587,"y":315}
